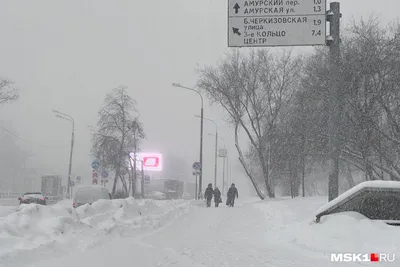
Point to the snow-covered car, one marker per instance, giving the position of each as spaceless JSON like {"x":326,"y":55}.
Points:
{"x":33,"y":197}
{"x":186,"y":196}
{"x":88,"y":194}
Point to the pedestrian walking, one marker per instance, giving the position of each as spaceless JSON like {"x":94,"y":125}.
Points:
{"x":217,"y":197}
{"x":232,"y":193}
{"x":208,"y":195}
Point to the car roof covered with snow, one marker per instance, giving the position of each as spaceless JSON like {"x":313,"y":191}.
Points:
{"x":365,"y":191}
{"x":353,"y":192}
{"x":32,"y":193}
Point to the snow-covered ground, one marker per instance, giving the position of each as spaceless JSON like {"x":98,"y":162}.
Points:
{"x":36,"y":232}
{"x":8,"y":206}
{"x":278,"y":232}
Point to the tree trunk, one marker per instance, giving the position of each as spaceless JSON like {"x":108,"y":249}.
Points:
{"x":265,"y":171}
{"x":245,"y":167}
{"x":122,"y":177}
{"x":292,"y":171}
{"x":130,"y":183}
{"x":349,"y":176}
{"x":115,"y":182}
{"x":134,"y":183}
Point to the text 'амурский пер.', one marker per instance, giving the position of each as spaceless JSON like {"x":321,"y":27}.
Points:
{"x":282,"y":7}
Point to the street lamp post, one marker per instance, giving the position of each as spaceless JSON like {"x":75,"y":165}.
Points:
{"x":201,"y":135}
{"x":142,"y":181}
{"x":216,"y":158}
{"x":68,"y":118}
{"x":224,"y":165}
{"x":216,"y":149}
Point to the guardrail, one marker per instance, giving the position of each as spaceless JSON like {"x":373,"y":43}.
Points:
{"x":9,"y":195}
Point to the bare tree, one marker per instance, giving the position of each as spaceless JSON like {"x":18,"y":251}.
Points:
{"x":370,"y":112}
{"x":136,"y":127}
{"x":253,"y":89}
{"x":372,"y":92}
{"x":7,"y":92}
{"x":115,"y":138}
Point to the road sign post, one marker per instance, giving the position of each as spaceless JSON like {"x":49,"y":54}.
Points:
{"x":195,"y":190}
{"x":196,"y":166}
{"x":336,"y":100}
{"x":95,"y":177}
{"x":276,"y":23}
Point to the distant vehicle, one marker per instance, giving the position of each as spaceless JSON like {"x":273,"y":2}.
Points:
{"x":173,"y":189}
{"x":52,"y":188}
{"x":156,"y":195}
{"x":187,"y":196}
{"x":33,"y":197}
{"x":88,"y":194}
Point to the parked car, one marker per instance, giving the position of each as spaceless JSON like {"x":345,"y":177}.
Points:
{"x":156,"y":195}
{"x":88,"y":194}
{"x":187,"y":196}
{"x":33,"y":197}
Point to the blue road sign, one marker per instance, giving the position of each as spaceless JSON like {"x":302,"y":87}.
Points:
{"x":95,"y":164}
{"x":196,"y":166}
{"x":105,"y":173}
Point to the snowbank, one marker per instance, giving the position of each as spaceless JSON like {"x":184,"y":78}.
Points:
{"x":348,"y":232}
{"x":6,"y":210}
{"x":35,"y":227}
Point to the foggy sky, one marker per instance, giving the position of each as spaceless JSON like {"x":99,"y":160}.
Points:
{"x":68,"y":54}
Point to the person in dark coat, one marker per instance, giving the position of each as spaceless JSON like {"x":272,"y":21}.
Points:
{"x":217,"y":197}
{"x":232,"y":193}
{"x":208,"y":194}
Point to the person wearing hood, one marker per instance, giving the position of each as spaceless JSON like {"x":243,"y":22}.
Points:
{"x":208,"y":195}
{"x":217,"y":197}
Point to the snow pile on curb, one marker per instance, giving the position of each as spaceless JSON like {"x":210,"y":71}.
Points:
{"x":347,"y":232}
{"x":40,"y":228}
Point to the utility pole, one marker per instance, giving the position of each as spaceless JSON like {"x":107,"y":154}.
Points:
{"x":216,"y":159}
{"x":134,"y":163}
{"x":201,"y":151}
{"x":223,"y":169}
{"x":216,"y":149}
{"x":303,"y":167}
{"x":230,"y":173}
{"x":68,"y":118}
{"x":303,"y":147}
{"x":142,"y":182}
{"x":227,"y":169}
{"x":225,"y":179}
{"x":333,"y":16}
{"x":195,"y":190}
{"x":70,"y":158}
